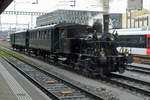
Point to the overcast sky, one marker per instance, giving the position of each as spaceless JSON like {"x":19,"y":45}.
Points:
{"x":49,"y":5}
{"x":116,"y":6}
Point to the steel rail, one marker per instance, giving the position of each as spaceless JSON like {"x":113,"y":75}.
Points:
{"x":125,"y":85}
{"x":51,"y":95}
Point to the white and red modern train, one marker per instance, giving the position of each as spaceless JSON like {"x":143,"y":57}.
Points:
{"x":134,"y":40}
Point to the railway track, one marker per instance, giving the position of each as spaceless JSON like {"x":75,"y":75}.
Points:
{"x":139,"y":69}
{"x":126,"y":82}
{"x":55,"y":87}
{"x":132,"y":84}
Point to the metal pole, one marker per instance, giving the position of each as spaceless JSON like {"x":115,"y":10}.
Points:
{"x":126,"y":18}
{"x":106,"y":23}
{"x":15,"y":12}
{"x":31,"y":21}
{"x":106,"y":15}
{"x":130,"y":18}
{"x":15,"y":15}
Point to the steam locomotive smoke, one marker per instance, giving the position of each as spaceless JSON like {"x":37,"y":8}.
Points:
{"x":105,"y":6}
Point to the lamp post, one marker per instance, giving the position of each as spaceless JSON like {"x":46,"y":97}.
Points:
{"x":15,"y":11}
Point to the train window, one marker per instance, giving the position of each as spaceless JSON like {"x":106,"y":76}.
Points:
{"x":35,"y":35}
{"x":45,"y":35}
{"x":133,"y":41}
{"x":48,"y":32}
{"x":42,"y":35}
{"x":144,"y":28}
{"x":39,"y":35}
{"x":149,"y":28}
{"x":148,"y":43}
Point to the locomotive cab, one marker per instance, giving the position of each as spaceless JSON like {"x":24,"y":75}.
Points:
{"x":70,"y":37}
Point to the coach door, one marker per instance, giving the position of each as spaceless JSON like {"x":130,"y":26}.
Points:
{"x":148,"y":44}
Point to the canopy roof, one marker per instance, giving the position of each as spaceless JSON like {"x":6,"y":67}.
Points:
{"x":4,"y":4}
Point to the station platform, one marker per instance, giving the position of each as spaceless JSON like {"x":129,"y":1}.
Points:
{"x":14,"y":86}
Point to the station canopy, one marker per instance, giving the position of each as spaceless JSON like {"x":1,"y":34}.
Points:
{"x":4,"y":4}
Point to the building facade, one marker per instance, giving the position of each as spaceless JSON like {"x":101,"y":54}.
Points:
{"x":67,"y":16}
{"x":136,"y":19}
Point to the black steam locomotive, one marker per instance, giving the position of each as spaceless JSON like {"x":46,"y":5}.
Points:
{"x":91,"y":54}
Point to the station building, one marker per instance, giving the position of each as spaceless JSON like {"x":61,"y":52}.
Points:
{"x":136,"y":19}
{"x":67,"y":16}
{"x":84,"y":17}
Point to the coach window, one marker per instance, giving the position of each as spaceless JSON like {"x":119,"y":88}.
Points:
{"x":148,"y":43}
{"x":45,"y":35}
{"x":39,"y":35}
{"x":42,"y":35}
{"x":35,"y":35}
{"x":48,"y":34}
{"x":142,"y":41}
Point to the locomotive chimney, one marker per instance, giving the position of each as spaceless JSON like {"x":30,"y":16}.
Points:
{"x":106,"y":23}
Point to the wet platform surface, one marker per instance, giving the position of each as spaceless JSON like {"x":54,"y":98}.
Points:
{"x":14,"y":86}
